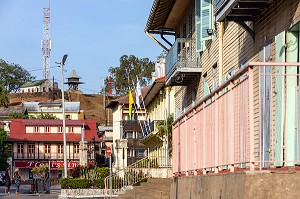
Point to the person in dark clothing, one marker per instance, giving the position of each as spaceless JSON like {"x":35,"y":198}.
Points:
{"x":18,"y":177}
{"x":47,"y":181}
{"x":7,"y":181}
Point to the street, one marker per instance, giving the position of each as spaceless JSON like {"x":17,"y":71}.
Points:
{"x":25,"y":192}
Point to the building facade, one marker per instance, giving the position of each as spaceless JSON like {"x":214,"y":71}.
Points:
{"x":159,"y":103}
{"x":234,"y":65}
{"x":72,"y":109}
{"x":36,"y":142}
{"x":37,"y":86}
{"x":127,"y":133}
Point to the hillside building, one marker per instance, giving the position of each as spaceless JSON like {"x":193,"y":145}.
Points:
{"x":37,"y":86}
{"x":72,"y":109}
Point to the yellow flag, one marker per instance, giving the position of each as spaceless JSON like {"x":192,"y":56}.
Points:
{"x":130,"y":104}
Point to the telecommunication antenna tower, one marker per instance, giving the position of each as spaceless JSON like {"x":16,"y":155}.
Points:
{"x":46,"y":43}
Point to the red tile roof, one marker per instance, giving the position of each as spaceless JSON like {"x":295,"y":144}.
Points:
{"x":18,"y":130}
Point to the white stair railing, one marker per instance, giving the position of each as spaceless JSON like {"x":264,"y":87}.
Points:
{"x":125,"y":178}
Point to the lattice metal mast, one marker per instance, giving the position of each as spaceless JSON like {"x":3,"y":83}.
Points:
{"x":46,"y":43}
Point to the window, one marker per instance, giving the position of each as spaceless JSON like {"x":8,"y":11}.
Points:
{"x":60,"y":148}
{"x":140,"y":135}
{"x":36,"y":129}
{"x":60,"y":151}
{"x":206,"y":89}
{"x":68,"y":117}
{"x":203,"y":21}
{"x":60,"y":129}
{"x":71,"y":129}
{"x":214,"y":74}
{"x":47,"y":148}
{"x":135,"y":116}
{"x":76,"y":148}
{"x":194,"y":93}
{"x":47,"y":129}
{"x":31,"y":150}
{"x":129,"y":134}
{"x":139,"y":152}
{"x":20,"y":148}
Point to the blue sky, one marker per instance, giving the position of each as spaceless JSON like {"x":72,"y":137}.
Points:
{"x":94,"y":34}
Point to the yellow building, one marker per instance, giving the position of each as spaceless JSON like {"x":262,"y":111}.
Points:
{"x":72,"y":109}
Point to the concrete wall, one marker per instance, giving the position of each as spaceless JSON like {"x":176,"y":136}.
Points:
{"x":238,"y":186}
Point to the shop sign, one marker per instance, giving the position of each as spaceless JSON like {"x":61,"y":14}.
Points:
{"x":53,"y":164}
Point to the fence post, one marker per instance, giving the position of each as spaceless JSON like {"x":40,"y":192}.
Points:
{"x":251,"y":116}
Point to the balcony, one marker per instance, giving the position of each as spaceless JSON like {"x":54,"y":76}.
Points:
{"x":239,"y":10}
{"x":181,"y":67}
{"x":151,"y":138}
{"x":131,"y":125}
{"x":45,"y":156}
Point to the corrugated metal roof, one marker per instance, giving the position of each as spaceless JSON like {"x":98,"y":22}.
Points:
{"x":33,"y":83}
{"x":37,"y":107}
{"x":4,"y":112}
{"x":125,"y":99}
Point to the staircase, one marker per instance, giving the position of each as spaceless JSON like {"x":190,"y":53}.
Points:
{"x":154,"y":188}
{"x":142,"y":173}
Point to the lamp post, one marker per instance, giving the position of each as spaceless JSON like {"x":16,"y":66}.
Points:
{"x":62,"y":63}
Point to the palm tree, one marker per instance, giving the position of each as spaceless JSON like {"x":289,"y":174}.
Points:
{"x":4,"y":98}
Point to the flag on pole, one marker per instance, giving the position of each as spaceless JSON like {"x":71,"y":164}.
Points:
{"x":130,"y":104}
{"x":138,"y":93}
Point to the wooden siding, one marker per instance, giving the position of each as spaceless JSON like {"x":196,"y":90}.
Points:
{"x":238,"y":48}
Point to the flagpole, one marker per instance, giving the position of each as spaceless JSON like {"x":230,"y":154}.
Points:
{"x":145,"y":109}
{"x":139,"y":106}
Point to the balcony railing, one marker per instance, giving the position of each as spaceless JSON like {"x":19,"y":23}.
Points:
{"x":180,"y":57}
{"x":250,"y":122}
{"x":51,"y":156}
{"x":131,"y":125}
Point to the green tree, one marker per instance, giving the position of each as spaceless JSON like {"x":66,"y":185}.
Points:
{"x":15,"y":115}
{"x":13,"y":76}
{"x":5,"y":150}
{"x":130,"y":68}
{"x":41,"y":116}
{"x":4,"y":97}
{"x":44,"y":116}
{"x":164,"y":129}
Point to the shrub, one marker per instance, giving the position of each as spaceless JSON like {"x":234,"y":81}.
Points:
{"x":75,"y":183}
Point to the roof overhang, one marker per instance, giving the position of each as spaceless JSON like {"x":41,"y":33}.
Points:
{"x":165,"y":14}
{"x":154,"y":90}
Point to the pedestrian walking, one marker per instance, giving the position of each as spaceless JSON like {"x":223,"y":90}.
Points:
{"x":7,"y":181}
{"x":18,"y":177}
{"x":47,"y":181}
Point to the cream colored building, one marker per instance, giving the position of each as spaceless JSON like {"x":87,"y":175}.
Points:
{"x":72,"y":109}
{"x":37,"y":86}
{"x":127,"y":148}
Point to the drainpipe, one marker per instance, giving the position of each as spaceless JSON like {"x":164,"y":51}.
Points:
{"x":221,"y":45}
{"x":156,"y":41}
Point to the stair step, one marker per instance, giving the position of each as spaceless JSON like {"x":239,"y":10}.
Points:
{"x":154,"y":188}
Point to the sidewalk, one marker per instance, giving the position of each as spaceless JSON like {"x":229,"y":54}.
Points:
{"x":25,"y":192}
